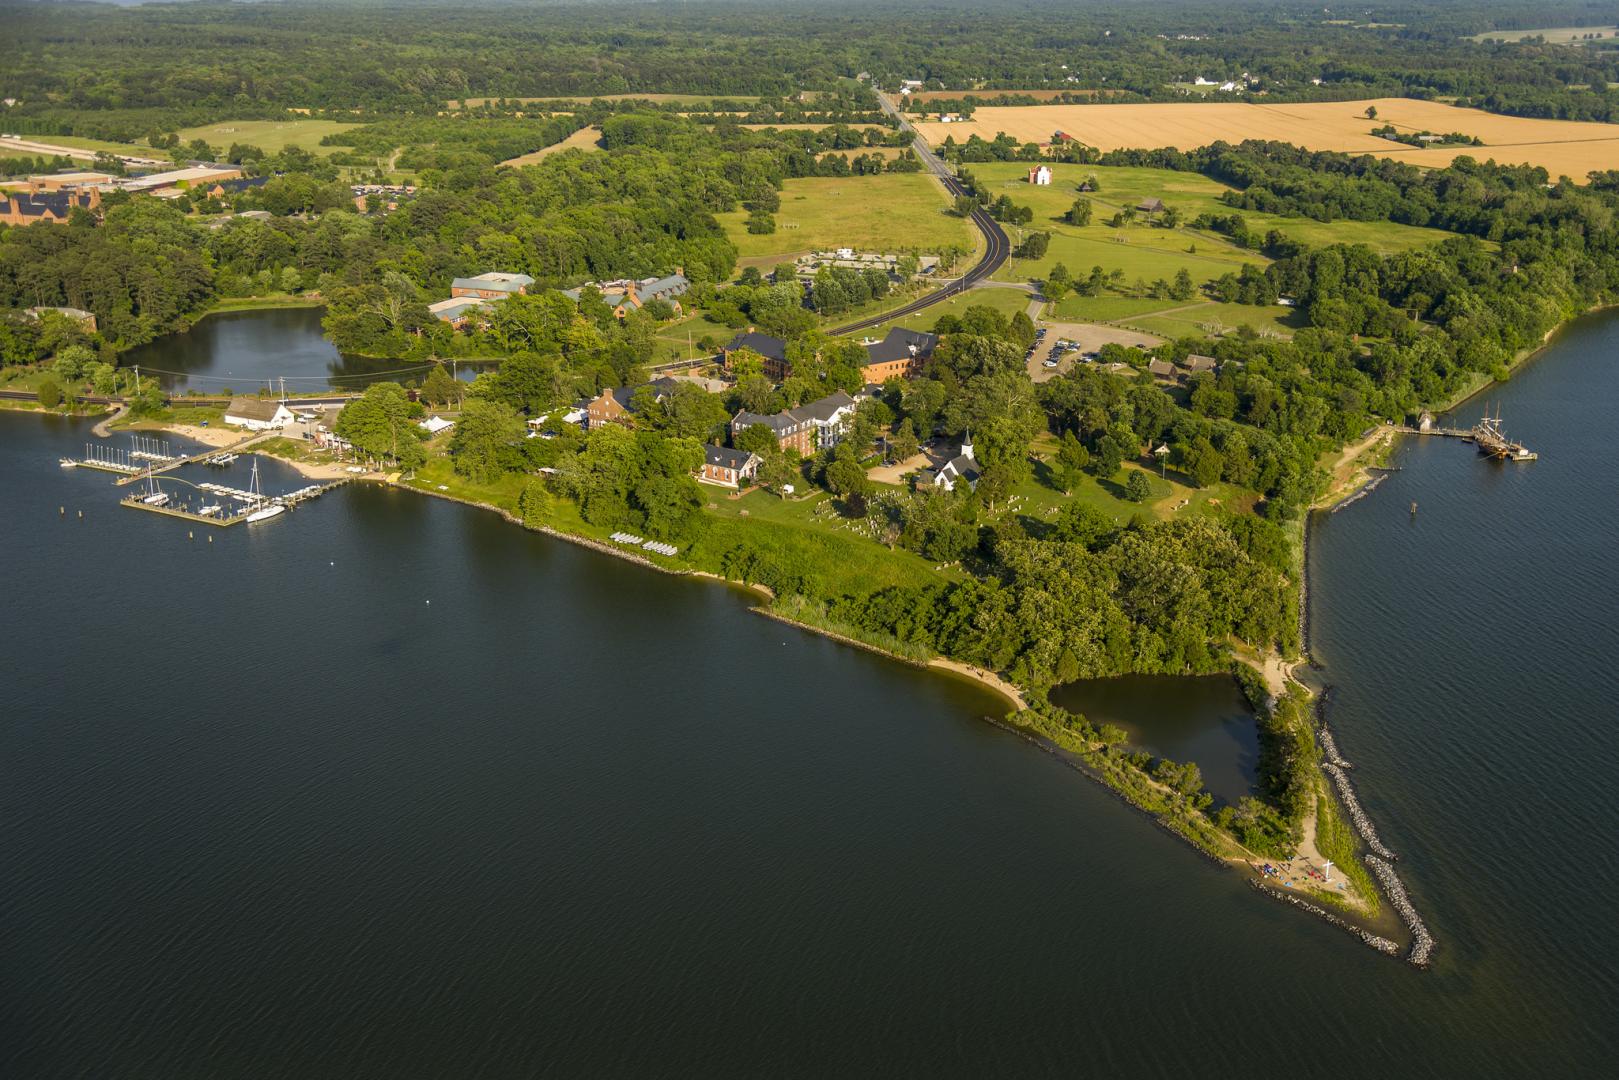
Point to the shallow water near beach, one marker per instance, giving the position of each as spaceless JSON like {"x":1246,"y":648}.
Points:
{"x":387,"y":787}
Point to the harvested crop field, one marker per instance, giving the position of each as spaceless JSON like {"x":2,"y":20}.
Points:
{"x":588,"y":138}
{"x":1563,"y":147}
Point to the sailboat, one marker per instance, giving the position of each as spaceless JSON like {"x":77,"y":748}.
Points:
{"x":266,"y":510}
{"x":155,"y":496}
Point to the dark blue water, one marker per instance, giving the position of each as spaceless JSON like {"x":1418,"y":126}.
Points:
{"x":390,"y":788}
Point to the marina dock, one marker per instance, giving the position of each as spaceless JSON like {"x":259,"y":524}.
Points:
{"x":224,"y":506}
{"x":153,"y":457}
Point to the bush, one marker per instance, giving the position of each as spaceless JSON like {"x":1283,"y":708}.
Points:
{"x":50,"y":394}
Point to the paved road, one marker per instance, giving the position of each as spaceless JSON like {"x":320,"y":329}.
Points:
{"x":997,"y":246}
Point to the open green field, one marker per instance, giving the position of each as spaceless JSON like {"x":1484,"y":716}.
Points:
{"x":1203,"y":319}
{"x":1555,"y":35}
{"x":885,"y":213}
{"x":1005,"y":301}
{"x":1146,"y":251}
{"x":1109,"y":308}
{"x":271,"y":136}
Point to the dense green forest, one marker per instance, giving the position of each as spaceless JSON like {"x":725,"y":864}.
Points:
{"x":105,"y":71}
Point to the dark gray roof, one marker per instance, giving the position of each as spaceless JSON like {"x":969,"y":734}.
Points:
{"x":777,"y":422}
{"x":964,"y":467}
{"x":897,"y":345}
{"x":763,"y":344}
{"x":726,"y":458}
{"x":823,"y":409}
{"x":37,"y":203}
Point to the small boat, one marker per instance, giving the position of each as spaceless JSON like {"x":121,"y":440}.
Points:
{"x":68,"y":463}
{"x":209,"y":511}
{"x":265,"y":513}
{"x":158,"y":498}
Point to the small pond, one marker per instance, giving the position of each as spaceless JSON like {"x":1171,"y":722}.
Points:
{"x":244,"y":351}
{"x":1205,"y":719}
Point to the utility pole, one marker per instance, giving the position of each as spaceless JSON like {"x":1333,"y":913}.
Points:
{"x":137,"y":380}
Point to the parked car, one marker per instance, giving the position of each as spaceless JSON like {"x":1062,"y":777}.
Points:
{"x":1048,"y":363}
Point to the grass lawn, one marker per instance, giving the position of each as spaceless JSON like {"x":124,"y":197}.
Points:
{"x":809,"y":533}
{"x":818,"y":544}
{"x":1110,"y":308}
{"x":678,"y":340}
{"x":271,"y":136}
{"x":273,"y":300}
{"x":1173,"y":496}
{"x":886,"y":213}
{"x":1005,"y":301}
{"x":1181,"y":321}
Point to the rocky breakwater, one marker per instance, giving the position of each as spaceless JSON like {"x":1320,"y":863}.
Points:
{"x":1381,"y":944}
{"x":1363,"y":824}
{"x":1329,"y":748}
{"x":1422,"y":943}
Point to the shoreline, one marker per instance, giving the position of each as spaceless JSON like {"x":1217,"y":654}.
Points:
{"x":1362,"y":476}
{"x":990,"y":681}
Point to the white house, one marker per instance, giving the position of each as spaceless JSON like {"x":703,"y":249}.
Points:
{"x":258,"y":415}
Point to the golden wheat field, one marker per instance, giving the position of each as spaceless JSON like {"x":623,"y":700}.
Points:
{"x":1563,"y":147}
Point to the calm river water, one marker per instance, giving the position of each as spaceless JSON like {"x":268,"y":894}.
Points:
{"x":390,"y":788}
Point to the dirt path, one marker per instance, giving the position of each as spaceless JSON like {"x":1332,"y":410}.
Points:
{"x":1348,"y":470}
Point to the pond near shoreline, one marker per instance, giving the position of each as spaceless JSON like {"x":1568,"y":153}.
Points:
{"x":1205,"y":719}
{"x":244,"y":351}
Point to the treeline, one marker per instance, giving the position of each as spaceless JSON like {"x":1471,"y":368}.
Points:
{"x":215,"y":61}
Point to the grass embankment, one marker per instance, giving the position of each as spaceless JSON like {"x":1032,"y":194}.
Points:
{"x":258,"y":303}
{"x":890,"y":212}
{"x":1336,"y":840}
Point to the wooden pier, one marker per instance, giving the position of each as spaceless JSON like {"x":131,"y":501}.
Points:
{"x":1487,"y":435}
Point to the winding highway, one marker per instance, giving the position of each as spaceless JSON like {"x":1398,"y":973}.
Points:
{"x":997,"y":245}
